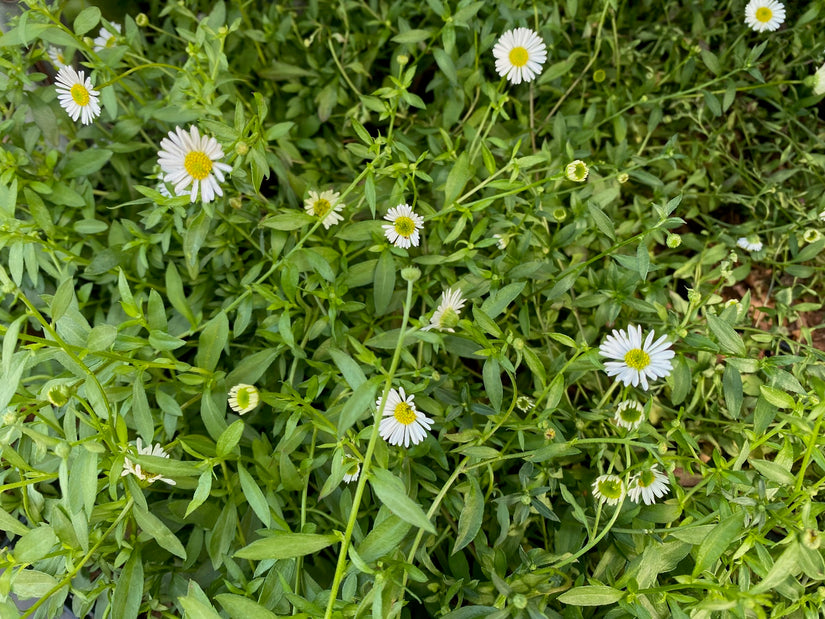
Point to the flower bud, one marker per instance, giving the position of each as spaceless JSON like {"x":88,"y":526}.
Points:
{"x":142,"y":20}
{"x":673,"y":241}
{"x":576,"y":171}
{"x":411,"y":274}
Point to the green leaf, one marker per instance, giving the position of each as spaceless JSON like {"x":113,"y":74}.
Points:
{"x":727,"y":337}
{"x":254,"y":496}
{"x":141,"y":414}
{"x":278,"y":130}
{"x":87,"y":19}
{"x":35,"y":544}
{"x":457,"y":178}
{"x":471,"y":612}
{"x":153,"y":526}
{"x":383,"y":539}
{"x":10,"y":524}
{"x":384,"y":282}
{"x":774,"y":472}
{"x":642,"y":259}
{"x":712,"y":103}
{"x":195,"y":609}
{"x":201,"y":492}
{"x":446,"y":64}
{"x":212,"y":341}
{"x":412,"y":36}
{"x":349,"y":368}
{"x":250,"y":369}
{"x":784,"y":567}
{"x":602,"y":221}
{"x":498,"y":301}
{"x":778,"y":398}
{"x":240,"y":607}
{"x":717,"y":542}
{"x":83,"y":481}
{"x":552,"y":451}
{"x":174,"y":290}
{"x":358,"y":405}
{"x":289,"y":221}
{"x":591,"y":595}
{"x":732,"y":390}
{"x":85,"y":162}
{"x":391,"y":492}
{"x":492,"y":383}
{"x":129,"y":588}
{"x":472,"y":514}
{"x":229,"y":438}
{"x":286,"y":546}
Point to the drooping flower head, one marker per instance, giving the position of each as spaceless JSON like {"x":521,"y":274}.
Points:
{"x":635,"y":360}
{"x":629,"y":414}
{"x":352,"y":468}
{"x":106,"y":38}
{"x":576,"y":171}
{"x":608,"y":489}
{"x":750,"y":243}
{"x":520,"y":54}
{"x":324,"y":206}
{"x":77,"y":95}
{"x":191,"y":160}
{"x":243,"y":398}
{"x":405,"y":226}
{"x":650,"y":484}
{"x":130,"y":468}
{"x":57,"y":56}
{"x":763,"y":15}
{"x":402,"y":423}
{"x":819,"y":81}
{"x":446,"y":316}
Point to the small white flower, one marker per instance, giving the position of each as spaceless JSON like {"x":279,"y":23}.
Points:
{"x":403,"y":231}
{"x":812,"y":235}
{"x":629,"y":414}
{"x":650,"y":484}
{"x":352,"y":468}
{"x":163,"y":189}
{"x":819,"y":81}
{"x":57,"y":56}
{"x":189,"y":159}
{"x":608,"y":489}
{"x":822,"y":215}
{"x":402,"y":423}
{"x":77,"y":95}
{"x":243,"y":398}
{"x":576,"y":171}
{"x":445,"y":316}
{"x":525,"y":403}
{"x":324,"y":206}
{"x":751,"y":244}
{"x":135,"y":469}
{"x":106,"y":38}
{"x":519,"y":54}
{"x":502,"y":239}
{"x":635,"y":360}
{"x":763,"y":15}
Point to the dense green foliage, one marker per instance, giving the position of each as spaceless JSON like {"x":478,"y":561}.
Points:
{"x":126,"y":314}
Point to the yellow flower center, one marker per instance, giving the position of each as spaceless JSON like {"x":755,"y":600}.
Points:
{"x":518,"y":56}
{"x":111,"y":41}
{"x":243,"y":398}
{"x":321,"y":207}
{"x":404,"y":226}
{"x":80,"y":95}
{"x":197,"y":164}
{"x":764,"y":14}
{"x":404,"y":413}
{"x":637,"y":359}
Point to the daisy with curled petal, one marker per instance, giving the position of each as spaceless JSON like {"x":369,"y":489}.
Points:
{"x":243,"y":398}
{"x":650,"y":485}
{"x":402,"y":423}
{"x":635,"y":360}
{"x":130,"y":468}
{"x":819,"y":81}
{"x":324,"y":206}
{"x":403,"y":231}
{"x":608,"y":489}
{"x":106,"y":39}
{"x":57,"y":56}
{"x":445,"y":316}
{"x":750,"y":244}
{"x":629,"y":414}
{"x":763,"y":15}
{"x":77,"y":95}
{"x":519,"y":54}
{"x":187,"y":158}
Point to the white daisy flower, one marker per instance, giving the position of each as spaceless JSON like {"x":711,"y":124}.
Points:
{"x":629,"y":414}
{"x":751,"y":244}
{"x":57,"y":56}
{"x":324,"y":206}
{"x":403,"y":231}
{"x":525,"y":403}
{"x":608,"y":489}
{"x":189,"y":159}
{"x":502,"y":239}
{"x":519,"y":53}
{"x":445,"y":316}
{"x":819,"y":81}
{"x":243,"y":398}
{"x":650,"y":484}
{"x":635,"y":360}
{"x":822,"y":215}
{"x":130,"y":468}
{"x":105,"y":38}
{"x":402,"y":423}
{"x":77,"y":95}
{"x":763,"y":15}
{"x":576,"y":171}
{"x":812,"y":235}
{"x":352,"y":468}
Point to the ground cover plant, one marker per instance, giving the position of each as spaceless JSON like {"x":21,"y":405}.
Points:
{"x":400,"y":309}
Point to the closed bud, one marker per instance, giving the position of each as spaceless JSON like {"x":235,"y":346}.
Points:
{"x":142,"y":20}
{"x":411,"y":274}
